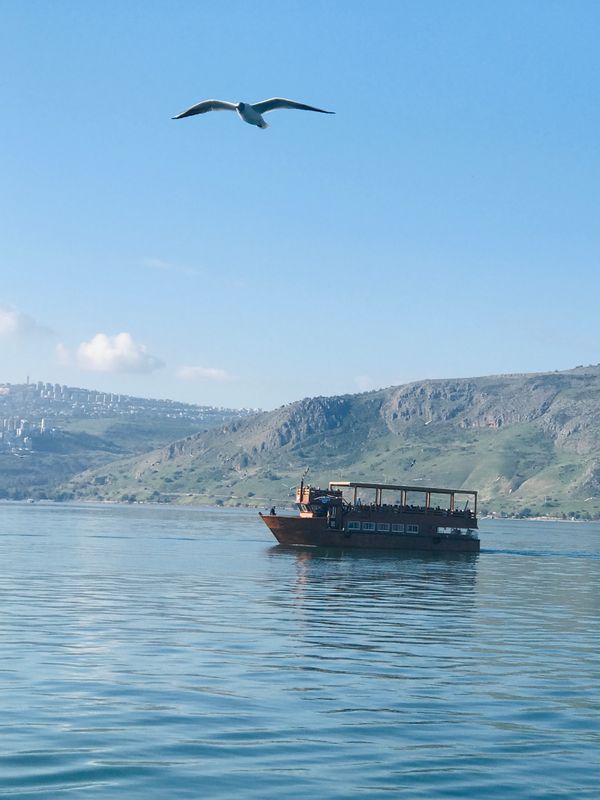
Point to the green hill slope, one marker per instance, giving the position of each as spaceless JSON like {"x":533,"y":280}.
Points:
{"x":49,"y":433}
{"x":526,"y":442}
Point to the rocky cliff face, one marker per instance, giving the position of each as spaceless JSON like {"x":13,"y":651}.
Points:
{"x":500,"y":433}
{"x":567,"y":405}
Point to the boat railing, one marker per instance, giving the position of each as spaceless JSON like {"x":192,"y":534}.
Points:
{"x":409,"y":509}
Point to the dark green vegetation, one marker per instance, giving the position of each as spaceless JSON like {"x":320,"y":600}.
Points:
{"x":529,"y":443}
{"x":81,"y":444}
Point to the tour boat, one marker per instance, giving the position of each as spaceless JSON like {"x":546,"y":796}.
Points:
{"x":380,"y":516}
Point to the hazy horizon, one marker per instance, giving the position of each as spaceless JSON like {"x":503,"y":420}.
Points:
{"x":166,"y":398}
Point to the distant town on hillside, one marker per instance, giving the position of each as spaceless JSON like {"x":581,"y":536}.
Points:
{"x":33,"y":411}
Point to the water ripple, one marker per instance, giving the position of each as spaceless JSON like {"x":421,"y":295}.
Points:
{"x":156,"y":653}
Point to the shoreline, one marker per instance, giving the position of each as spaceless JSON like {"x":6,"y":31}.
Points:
{"x":249,"y":506}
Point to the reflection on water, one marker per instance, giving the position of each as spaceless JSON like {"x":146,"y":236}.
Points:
{"x":357,"y":579}
{"x":151,"y":652}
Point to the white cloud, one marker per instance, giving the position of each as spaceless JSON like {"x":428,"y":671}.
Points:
{"x":15,"y":324}
{"x":202,"y":373}
{"x":120,"y":353}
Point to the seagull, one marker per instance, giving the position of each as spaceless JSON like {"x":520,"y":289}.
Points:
{"x":248,"y":112}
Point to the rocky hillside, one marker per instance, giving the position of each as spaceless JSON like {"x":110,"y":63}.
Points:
{"x":528,"y":443}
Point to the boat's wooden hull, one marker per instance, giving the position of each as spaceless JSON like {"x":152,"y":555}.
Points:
{"x":313,"y":532}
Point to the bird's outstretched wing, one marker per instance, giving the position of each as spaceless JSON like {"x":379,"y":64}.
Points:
{"x":207,"y":105}
{"x":281,"y":102}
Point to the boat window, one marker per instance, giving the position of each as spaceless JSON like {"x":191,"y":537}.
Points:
{"x":383,"y":526}
{"x":412,"y":528}
{"x":397,"y":528}
{"x":368,"y":526}
{"x":353,"y":526}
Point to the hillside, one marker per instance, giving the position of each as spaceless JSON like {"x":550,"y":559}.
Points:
{"x":49,"y":433}
{"x":527,"y":442}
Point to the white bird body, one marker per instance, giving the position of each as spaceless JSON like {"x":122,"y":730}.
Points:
{"x":252,"y":113}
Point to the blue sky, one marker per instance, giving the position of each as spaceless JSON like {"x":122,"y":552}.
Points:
{"x":444,"y":223}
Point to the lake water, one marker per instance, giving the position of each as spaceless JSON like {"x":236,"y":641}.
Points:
{"x":151,"y":652}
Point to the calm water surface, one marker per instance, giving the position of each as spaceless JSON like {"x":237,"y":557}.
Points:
{"x":150,"y":652}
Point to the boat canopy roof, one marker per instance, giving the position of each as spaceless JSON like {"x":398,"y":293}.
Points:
{"x":398,"y":488}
